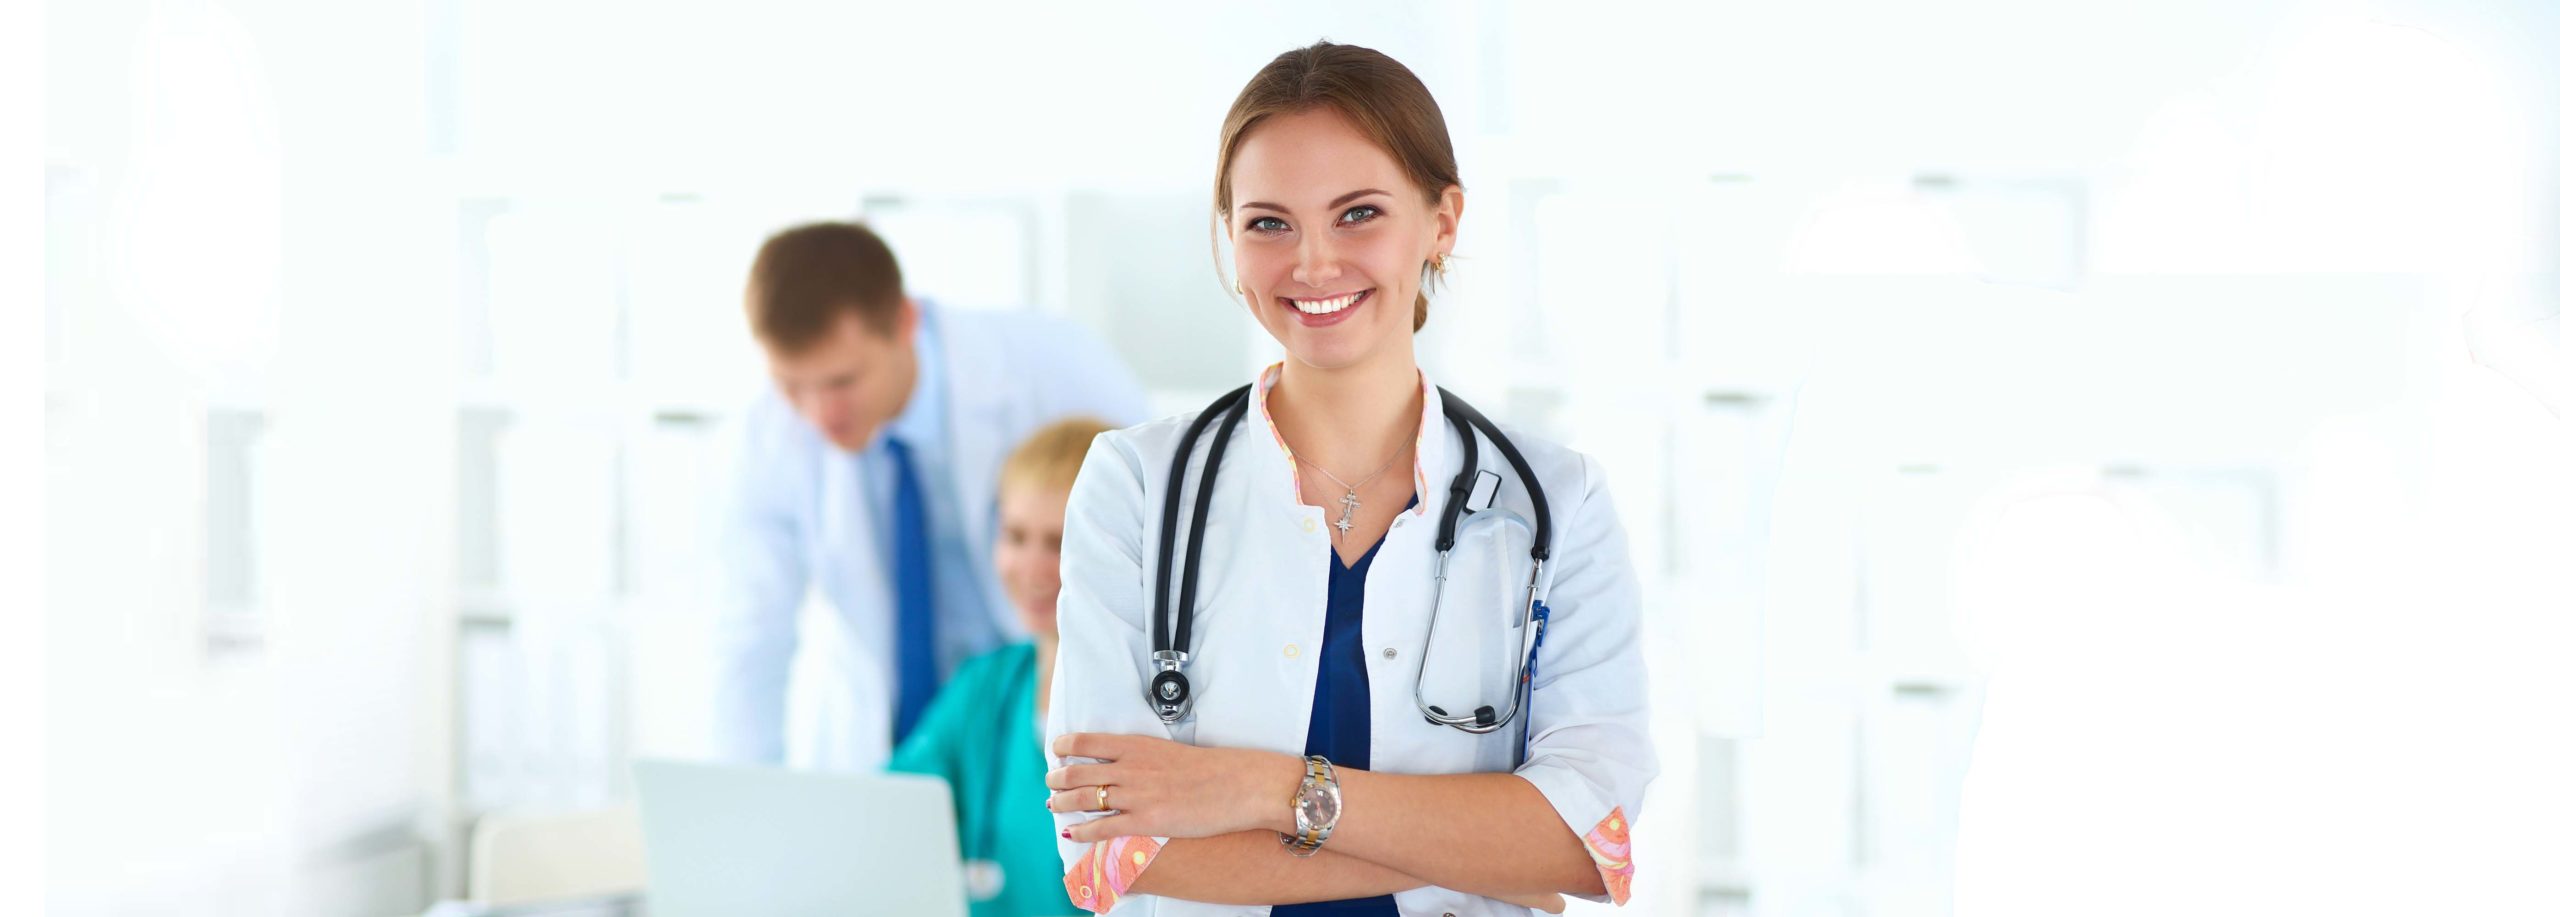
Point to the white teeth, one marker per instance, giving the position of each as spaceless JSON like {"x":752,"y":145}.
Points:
{"x":1326,"y":306}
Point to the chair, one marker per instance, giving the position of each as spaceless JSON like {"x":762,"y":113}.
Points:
{"x":536,"y":857}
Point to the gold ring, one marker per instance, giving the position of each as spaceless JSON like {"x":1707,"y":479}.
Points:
{"x":1102,"y":797}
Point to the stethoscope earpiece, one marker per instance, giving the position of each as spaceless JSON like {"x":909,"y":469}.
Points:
{"x":1485,"y":715}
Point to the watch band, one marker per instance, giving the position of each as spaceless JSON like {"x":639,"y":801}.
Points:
{"x":1298,"y":811}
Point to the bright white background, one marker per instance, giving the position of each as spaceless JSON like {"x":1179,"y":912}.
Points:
{"x":2083,"y":458}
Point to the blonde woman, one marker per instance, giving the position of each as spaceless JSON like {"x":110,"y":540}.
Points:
{"x":982,"y":732}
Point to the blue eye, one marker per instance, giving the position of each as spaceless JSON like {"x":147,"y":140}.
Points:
{"x":1267,"y":224}
{"x":1361,"y":214}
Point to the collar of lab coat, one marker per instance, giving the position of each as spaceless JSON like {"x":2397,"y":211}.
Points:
{"x":976,"y":415}
{"x":1275,"y":470}
{"x":920,"y":424}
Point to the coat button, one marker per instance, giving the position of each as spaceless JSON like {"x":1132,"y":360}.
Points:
{"x":1307,"y":525}
{"x":1290,"y":651}
{"x":1391,"y":652}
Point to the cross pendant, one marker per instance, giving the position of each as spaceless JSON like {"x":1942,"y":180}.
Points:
{"x":1350,"y":501}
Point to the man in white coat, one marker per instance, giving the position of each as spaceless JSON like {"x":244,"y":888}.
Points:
{"x":868,"y":471}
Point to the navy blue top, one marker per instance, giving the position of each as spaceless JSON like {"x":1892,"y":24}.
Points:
{"x":1339,"y":726}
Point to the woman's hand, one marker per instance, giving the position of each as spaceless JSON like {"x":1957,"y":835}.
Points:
{"x":1163,"y":788}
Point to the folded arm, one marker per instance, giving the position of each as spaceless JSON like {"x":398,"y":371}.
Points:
{"x":1251,"y":867}
{"x":1483,"y":834}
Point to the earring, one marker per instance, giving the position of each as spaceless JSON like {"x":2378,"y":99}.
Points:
{"x":1239,"y":286}
{"x":1440,"y":262}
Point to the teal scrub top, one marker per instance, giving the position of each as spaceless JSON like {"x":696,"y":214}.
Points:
{"x":982,"y":735}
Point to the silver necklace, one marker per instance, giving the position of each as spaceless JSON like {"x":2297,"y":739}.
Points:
{"x":1351,"y":492}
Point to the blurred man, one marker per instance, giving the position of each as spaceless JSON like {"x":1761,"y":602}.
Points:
{"x":868,"y":470}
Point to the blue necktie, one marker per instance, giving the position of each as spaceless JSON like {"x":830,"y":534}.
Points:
{"x":917,"y":675}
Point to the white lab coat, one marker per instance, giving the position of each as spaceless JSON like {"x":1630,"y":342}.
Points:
{"x":798,"y":519}
{"x":1259,"y":626}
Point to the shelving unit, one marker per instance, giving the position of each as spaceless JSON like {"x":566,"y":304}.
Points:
{"x":547,"y":493}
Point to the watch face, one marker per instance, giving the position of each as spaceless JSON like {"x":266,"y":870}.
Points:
{"x":1319,"y":806}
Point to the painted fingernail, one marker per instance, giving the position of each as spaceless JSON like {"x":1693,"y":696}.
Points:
{"x":1067,"y":833}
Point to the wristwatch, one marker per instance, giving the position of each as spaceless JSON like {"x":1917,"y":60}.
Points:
{"x":1317,"y":806}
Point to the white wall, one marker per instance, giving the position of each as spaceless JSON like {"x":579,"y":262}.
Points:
{"x":2049,"y":432}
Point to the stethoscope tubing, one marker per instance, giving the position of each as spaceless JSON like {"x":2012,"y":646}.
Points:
{"x":1169,"y":691}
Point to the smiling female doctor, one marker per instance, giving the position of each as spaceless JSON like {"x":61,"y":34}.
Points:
{"x":1274,"y":749}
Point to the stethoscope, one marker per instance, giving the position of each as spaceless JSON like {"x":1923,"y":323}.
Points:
{"x":1169,"y":692}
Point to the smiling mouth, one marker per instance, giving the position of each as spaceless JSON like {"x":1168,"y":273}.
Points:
{"x":1329,"y":305}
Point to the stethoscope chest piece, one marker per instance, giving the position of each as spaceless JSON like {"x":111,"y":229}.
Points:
{"x":1170,"y":690}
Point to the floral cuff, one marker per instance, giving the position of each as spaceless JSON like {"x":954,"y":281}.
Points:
{"x":1108,"y":868}
{"x":1610,"y":850}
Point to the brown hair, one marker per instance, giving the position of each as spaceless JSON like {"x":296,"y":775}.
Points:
{"x":1049,"y":458}
{"x":1381,"y":98}
{"x":808,"y":276}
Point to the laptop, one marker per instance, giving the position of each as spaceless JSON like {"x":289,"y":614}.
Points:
{"x":726,"y":839}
